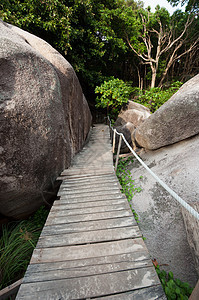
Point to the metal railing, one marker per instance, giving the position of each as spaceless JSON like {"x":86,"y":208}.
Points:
{"x":163,"y":184}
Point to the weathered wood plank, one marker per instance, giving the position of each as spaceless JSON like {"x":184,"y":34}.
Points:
{"x":92,"y":286}
{"x":90,"y":225}
{"x":87,"y":251}
{"x":109,"y":176}
{"x":84,"y":237}
{"x":59,"y":204}
{"x":91,"y":186}
{"x":86,"y":184}
{"x":149,"y":293}
{"x":88,"y":210}
{"x":86,"y":177}
{"x":139,"y":256}
{"x":87,"y":191}
{"x":52,"y":219}
{"x":85,"y":174}
{"x":10,"y":290}
{"x":84,"y":271}
{"x":87,"y":194}
{"x":64,"y":199}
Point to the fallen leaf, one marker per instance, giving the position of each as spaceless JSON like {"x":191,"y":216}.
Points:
{"x":155,"y":263}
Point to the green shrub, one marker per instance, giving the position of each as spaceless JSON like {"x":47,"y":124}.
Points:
{"x":174,"y":288}
{"x":113,"y":95}
{"x":155,"y":97}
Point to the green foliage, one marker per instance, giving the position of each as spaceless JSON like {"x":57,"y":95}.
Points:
{"x":47,"y":19}
{"x":156,"y":97}
{"x":128,"y":187}
{"x":174,"y":288}
{"x":17,"y":242}
{"x":113,"y":94}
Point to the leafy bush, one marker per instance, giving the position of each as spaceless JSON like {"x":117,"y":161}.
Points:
{"x":17,"y":242}
{"x":113,"y":94}
{"x":155,"y":97}
{"x":174,"y":288}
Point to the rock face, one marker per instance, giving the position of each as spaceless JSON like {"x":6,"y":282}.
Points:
{"x":44,"y":119}
{"x":192,"y":225}
{"x":128,"y":120}
{"x":135,"y":114}
{"x":127,"y":129}
{"x":160,"y":216}
{"x":176,"y":120}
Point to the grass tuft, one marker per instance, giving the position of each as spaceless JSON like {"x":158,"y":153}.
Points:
{"x":17,"y":242}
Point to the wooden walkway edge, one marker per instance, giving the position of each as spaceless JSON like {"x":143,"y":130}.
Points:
{"x":91,"y":246}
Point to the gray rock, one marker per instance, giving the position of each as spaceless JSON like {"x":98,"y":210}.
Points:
{"x":128,"y":120}
{"x":127,"y":129}
{"x":44,"y":119}
{"x":159,"y":213}
{"x":135,"y":113}
{"x":176,"y":120}
{"x":192,"y":226}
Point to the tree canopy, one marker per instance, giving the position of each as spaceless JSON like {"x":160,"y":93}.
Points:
{"x":105,"y":38}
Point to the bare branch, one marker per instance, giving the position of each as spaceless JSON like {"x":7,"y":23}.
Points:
{"x":142,"y":56}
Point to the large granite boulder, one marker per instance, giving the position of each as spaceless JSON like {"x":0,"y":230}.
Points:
{"x":176,"y":120}
{"x":127,"y":129}
{"x":160,"y":215}
{"x":44,"y":119}
{"x":128,"y":120}
{"x":135,"y":113}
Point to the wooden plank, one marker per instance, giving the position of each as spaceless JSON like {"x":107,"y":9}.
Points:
{"x":86,"y":185}
{"x":149,"y":293}
{"x":87,"y":194}
{"x":87,"y":251}
{"x":88,"y":210}
{"x":85,"y":177}
{"x":87,"y":171}
{"x":61,"y":205}
{"x":85,"y":237}
{"x":90,"y":225}
{"x":90,"y":190}
{"x":81,"y":174}
{"x":64,"y":199}
{"x":136,"y":257}
{"x":66,"y":273}
{"x":10,"y":290}
{"x":52,"y":219}
{"x":92,"y":286}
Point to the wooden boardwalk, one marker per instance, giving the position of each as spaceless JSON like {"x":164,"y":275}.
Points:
{"x":91,"y":246}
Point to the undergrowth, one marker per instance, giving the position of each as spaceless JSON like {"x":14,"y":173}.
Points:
{"x":126,"y":182}
{"x":155,"y":97}
{"x":17,"y":242}
{"x":174,"y":289}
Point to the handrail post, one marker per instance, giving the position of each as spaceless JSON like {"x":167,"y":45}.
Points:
{"x":118,"y":152}
{"x":114,"y":134}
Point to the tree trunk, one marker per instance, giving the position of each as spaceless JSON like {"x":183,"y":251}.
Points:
{"x":154,"y":73}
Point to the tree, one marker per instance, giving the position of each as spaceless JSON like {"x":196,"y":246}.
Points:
{"x":78,"y":29}
{"x":191,"y":5}
{"x":161,"y":37}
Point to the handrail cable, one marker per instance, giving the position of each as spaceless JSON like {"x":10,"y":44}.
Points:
{"x":162,"y":183}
